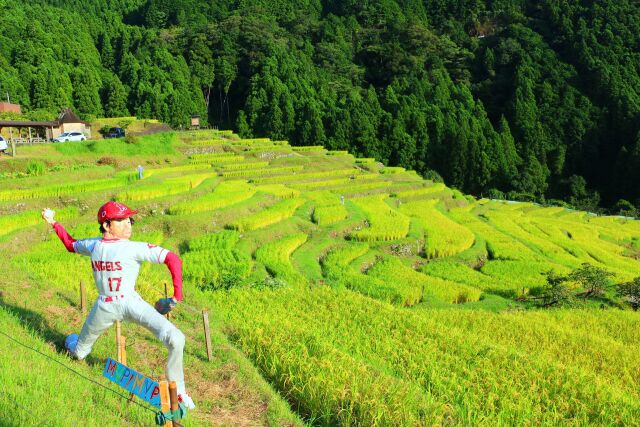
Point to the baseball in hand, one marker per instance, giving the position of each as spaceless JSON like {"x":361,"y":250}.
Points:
{"x":48,"y":214}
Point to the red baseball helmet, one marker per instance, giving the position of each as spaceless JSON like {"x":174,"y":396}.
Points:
{"x":114,"y":210}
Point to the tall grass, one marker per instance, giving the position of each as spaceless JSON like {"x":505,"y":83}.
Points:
{"x":157,"y":144}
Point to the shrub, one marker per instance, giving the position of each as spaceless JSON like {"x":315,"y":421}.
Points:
{"x":494,"y":193}
{"x":557,"y":292}
{"x":631,"y":292}
{"x":594,"y":280}
{"x":433,"y":176}
{"x":130,"y":139}
{"x":36,"y":168}
{"x":624,"y":208}
{"x":108,"y":160}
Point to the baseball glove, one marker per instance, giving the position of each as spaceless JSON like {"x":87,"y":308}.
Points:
{"x":165,"y":305}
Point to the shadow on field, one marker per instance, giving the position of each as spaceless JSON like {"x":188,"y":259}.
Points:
{"x":73,"y":303}
{"x":36,"y":323}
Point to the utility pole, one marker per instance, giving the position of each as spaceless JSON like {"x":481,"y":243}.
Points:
{"x":8,"y":100}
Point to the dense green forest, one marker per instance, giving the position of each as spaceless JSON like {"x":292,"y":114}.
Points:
{"x":533,"y":100}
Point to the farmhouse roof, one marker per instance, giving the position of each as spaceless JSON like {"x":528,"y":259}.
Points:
{"x":68,"y":116}
{"x":24,"y":123}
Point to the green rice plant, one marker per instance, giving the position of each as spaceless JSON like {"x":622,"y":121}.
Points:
{"x":336,"y":182}
{"x":212,"y":261}
{"x":355,"y":188}
{"x":308,"y":148}
{"x":327,"y":215}
{"x":307,"y":176}
{"x":435,"y":188}
{"x":327,"y":207}
{"x":64,"y":189}
{"x":335,"y":267}
{"x":443,"y":237}
{"x":391,"y":170}
{"x":529,"y":369}
{"x":267,"y":149}
{"x":13,"y":222}
{"x":227,"y":193}
{"x":213,"y":159}
{"x":328,"y":385}
{"x":546,"y":212}
{"x":282,"y":210}
{"x":337,"y":152}
{"x":518,"y":225}
{"x":245,"y":165}
{"x":279,"y":190}
{"x":391,"y":272}
{"x":252,"y":140}
{"x":499,"y":245}
{"x":36,"y":168}
{"x":418,"y":287}
{"x":213,"y":155}
{"x":460,"y":273}
{"x":261,"y":172}
{"x":522,"y":277}
{"x":168,"y":187}
{"x":582,"y":240}
{"x":384,"y":223}
{"x":175,"y":169}
{"x":365,"y":160}
{"x":208,"y":142}
{"x":276,"y":258}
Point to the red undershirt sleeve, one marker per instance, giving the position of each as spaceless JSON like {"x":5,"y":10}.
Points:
{"x":174,"y":264}
{"x":64,"y":237}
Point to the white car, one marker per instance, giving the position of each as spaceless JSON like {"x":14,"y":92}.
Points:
{"x":70,"y":136}
{"x":3,"y":144}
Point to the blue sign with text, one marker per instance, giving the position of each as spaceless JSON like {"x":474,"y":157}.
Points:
{"x":132,"y":381}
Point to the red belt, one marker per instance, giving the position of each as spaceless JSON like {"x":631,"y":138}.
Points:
{"x":111,"y":298}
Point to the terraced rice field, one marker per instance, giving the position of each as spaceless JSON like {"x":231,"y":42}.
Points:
{"x":364,"y":294}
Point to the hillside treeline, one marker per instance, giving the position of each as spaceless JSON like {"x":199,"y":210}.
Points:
{"x":506,"y":98}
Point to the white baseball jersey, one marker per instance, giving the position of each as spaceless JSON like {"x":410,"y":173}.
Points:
{"x":116,"y":263}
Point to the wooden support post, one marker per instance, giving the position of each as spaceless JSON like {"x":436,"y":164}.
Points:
{"x":173,"y":395}
{"x":83,"y":297}
{"x":165,"y":400}
{"x":166,"y":295}
{"x":13,"y":143}
{"x":123,"y":350}
{"x":118,"y":347}
{"x":207,"y":334}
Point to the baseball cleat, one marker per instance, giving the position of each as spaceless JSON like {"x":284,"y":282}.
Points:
{"x":186,"y":400}
{"x":70,"y":343}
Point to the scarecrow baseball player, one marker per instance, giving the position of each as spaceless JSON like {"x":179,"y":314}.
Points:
{"x":116,"y":261}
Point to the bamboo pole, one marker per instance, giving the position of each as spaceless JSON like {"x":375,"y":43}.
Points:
{"x":118,"y":347}
{"x":165,"y":399}
{"x":83,"y":297}
{"x":207,"y":333}
{"x":173,"y":396}
{"x":166,"y":295}
{"x":13,"y":143}
{"x":123,"y":350}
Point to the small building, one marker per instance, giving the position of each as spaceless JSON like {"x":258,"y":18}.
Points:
{"x":68,"y":121}
{"x":30,"y":132}
{"x":195,"y":122}
{"x":7,"y":107}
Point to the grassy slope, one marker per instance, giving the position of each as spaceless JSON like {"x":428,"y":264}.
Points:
{"x":230,"y":390}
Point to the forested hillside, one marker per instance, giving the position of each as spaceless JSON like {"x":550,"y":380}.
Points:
{"x":517,"y":98}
